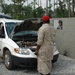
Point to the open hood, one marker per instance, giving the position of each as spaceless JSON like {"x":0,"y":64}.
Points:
{"x":26,"y":31}
{"x":27,"y":25}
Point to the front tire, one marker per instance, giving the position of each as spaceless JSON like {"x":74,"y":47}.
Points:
{"x":8,"y":60}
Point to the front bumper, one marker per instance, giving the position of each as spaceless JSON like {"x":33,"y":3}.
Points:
{"x":24,"y":62}
{"x":29,"y":62}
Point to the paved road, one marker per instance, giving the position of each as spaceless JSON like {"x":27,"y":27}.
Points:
{"x":64,"y":66}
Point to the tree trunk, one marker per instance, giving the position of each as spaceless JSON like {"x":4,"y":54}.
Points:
{"x":69,"y":8}
{"x":46,"y":6}
{"x":72,"y":8}
{"x":49,"y":5}
{"x":46,"y":3}
{"x":27,"y":2}
{"x":38,"y":3}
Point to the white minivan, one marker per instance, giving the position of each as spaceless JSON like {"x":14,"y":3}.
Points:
{"x":18,"y":43}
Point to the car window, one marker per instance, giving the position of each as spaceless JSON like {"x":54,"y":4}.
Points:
{"x":9,"y":27}
{"x":2,"y":33}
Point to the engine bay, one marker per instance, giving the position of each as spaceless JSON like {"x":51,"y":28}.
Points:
{"x":26,"y":44}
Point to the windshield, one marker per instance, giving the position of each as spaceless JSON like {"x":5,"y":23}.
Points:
{"x":9,"y":27}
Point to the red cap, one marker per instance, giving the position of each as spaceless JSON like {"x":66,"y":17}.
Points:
{"x":45,"y":18}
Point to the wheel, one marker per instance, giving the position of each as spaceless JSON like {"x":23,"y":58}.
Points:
{"x":8,"y":60}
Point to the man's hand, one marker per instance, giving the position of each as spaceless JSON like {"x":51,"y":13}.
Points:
{"x":37,"y":50}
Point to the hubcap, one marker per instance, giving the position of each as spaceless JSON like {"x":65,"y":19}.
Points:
{"x":7,"y":60}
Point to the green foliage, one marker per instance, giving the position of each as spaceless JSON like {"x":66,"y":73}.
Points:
{"x":18,"y":1}
{"x":39,"y":12}
{"x":61,"y":11}
{"x":27,"y":11}
{"x":19,"y":11}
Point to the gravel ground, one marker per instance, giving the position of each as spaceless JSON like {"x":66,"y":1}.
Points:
{"x":64,"y":66}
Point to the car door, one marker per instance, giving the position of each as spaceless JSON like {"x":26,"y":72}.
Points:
{"x":2,"y":36}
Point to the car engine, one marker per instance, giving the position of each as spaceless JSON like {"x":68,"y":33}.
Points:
{"x":26,"y":44}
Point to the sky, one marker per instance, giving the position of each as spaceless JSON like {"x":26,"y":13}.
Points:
{"x":43,"y":2}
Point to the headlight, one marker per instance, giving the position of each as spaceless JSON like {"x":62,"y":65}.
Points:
{"x":22,"y":51}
